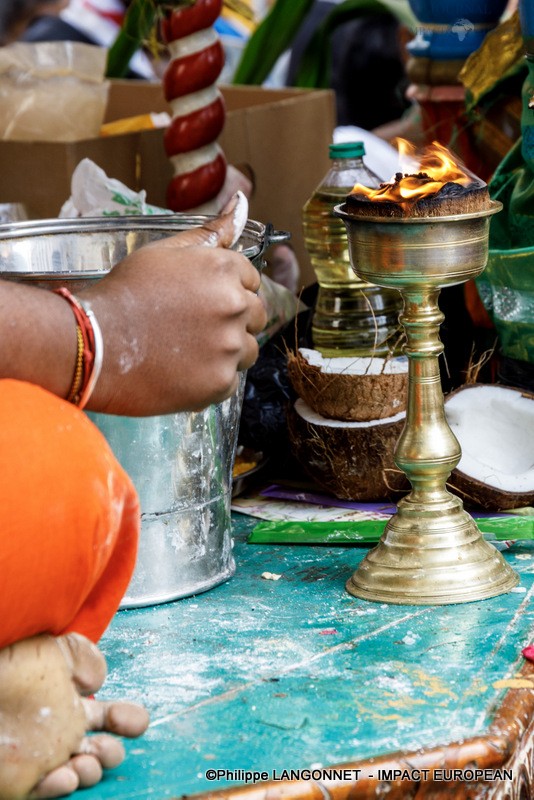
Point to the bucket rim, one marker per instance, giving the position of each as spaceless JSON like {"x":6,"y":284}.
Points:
{"x":36,"y":240}
{"x":44,"y":227}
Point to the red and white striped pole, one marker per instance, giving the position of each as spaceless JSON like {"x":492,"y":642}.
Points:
{"x":198,"y":112}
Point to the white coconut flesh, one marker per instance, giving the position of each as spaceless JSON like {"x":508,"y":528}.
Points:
{"x":355,"y":366}
{"x":495,"y":429}
{"x":310,"y":416}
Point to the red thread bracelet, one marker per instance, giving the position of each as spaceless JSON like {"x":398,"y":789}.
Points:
{"x":92,"y":348}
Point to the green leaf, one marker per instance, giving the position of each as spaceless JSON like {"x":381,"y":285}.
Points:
{"x":270,"y":39}
{"x":138,"y":23}
{"x":315,"y":66}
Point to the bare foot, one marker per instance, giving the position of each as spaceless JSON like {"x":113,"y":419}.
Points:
{"x":44,"y":716}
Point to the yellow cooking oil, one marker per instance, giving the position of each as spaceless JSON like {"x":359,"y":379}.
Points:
{"x":351,"y":316}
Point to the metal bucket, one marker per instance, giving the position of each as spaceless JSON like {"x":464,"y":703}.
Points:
{"x":181,"y":464}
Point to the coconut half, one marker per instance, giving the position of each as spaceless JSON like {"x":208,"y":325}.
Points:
{"x":495,"y":428}
{"x":351,"y":460}
{"x":351,"y":389}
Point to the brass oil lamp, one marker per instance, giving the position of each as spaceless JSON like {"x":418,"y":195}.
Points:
{"x":431,"y":551}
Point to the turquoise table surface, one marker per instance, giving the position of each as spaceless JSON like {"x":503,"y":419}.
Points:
{"x":270,"y":675}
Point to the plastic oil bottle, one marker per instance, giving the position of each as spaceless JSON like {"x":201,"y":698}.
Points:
{"x":351,"y":317}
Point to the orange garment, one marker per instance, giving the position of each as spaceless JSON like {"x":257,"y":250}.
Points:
{"x":69,"y":519}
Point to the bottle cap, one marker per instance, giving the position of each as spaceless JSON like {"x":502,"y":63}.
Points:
{"x":347,"y":150}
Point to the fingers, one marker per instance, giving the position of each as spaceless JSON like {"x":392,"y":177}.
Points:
{"x":124,"y":719}
{"x":257,"y":316}
{"x":249,"y":355}
{"x":235,"y":180}
{"x":250,"y":277}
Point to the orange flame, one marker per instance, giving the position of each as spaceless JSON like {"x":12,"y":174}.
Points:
{"x":422,"y":174}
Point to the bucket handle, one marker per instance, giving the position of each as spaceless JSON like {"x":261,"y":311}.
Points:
{"x":271,"y":237}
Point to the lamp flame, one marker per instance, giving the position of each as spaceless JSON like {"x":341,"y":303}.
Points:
{"x":423,"y":174}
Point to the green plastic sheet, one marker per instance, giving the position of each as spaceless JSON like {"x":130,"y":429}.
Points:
{"x":369,"y":531}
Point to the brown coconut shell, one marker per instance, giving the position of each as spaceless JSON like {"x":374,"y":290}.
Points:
{"x":353,"y":463}
{"x":476,"y":493}
{"x":479,"y":495}
{"x":346,"y":396}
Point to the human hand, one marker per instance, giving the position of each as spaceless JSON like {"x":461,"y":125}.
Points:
{"x":179,"y":320}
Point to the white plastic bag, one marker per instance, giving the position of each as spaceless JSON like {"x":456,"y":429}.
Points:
{"x":93,"y":194}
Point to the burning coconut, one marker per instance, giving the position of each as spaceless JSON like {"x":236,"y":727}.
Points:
{"x":440,"y":186}
{"x":425,"y":230}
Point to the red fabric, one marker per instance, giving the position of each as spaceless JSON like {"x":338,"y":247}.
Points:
{"x":69,"y":519}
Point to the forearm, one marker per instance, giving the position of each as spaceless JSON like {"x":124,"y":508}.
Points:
{"x":38,"y":335}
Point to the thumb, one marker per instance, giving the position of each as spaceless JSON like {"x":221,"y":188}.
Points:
{"x":222,"y":231}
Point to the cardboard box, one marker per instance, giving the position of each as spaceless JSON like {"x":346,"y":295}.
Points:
{"x":282,"y":136}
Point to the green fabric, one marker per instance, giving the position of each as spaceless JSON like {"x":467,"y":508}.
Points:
{"x":507,"y":285}
{"x":513,"y":183}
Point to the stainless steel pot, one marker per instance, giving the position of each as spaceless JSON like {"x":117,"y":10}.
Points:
{"x":181,"y":464}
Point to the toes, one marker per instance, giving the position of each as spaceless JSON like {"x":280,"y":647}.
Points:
{"x":88,"y":769}
{"x":86,"y":662}
{"x":106,"y":749}
{"x":124,"y":719}
{"x":58,"y":783}
{"x":81,"y":772}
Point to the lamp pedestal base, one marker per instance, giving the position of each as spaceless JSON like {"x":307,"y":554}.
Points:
{"x":456,"y":564}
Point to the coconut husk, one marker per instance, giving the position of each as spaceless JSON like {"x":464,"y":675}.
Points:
{"x":353,"y":463}
{"x":450,"y":200}
{"x":346,"y":396}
